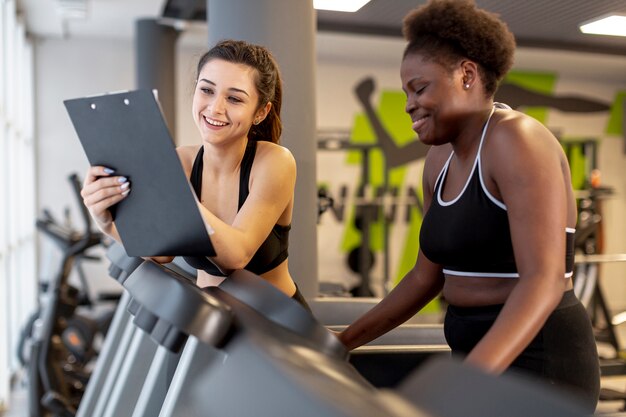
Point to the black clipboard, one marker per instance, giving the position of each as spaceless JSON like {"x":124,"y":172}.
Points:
{"x":126,"y":131}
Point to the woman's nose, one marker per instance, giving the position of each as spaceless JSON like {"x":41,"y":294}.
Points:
{"x":217,"y":105}
{"x":409,"y":106}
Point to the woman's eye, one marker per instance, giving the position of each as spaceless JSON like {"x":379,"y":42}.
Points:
{"x":235,"y":99}
{"x":206,"y":90}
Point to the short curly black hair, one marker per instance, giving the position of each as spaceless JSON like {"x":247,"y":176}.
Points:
{"x":449,"y":30}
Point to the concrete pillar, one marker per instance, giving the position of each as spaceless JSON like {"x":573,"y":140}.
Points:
{"x":287,"y":28}
{"x":155,"y":63}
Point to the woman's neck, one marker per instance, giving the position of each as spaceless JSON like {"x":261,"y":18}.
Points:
{"x":224,"y":159}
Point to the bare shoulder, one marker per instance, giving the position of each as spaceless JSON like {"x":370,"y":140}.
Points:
{"x":271,"y":154}
{"x":512,"y":129}
{"x":187,"y":154}
{"x":520,"y":142}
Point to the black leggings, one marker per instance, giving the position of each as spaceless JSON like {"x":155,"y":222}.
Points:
{"x":300,"y":298}
{"x":564,"y":352}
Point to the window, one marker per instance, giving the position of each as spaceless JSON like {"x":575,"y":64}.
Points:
{"x":18,"y":280}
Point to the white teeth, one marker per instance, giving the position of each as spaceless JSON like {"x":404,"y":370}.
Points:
{"x":215,"y":122}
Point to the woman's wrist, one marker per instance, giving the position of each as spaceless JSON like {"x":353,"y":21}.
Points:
{"x":105,"y":227}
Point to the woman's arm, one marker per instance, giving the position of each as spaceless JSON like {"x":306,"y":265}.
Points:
{"x":272,"y":185}
{"x":423,"y":282}
{"x":524,"y":162}
{"x":419,"y":286}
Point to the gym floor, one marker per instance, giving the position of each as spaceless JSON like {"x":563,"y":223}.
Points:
{"x":19,"y":405}
{"x":618,"y":383}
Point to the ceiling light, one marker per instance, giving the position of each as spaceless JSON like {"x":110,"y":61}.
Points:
{"x":614,"y":25}
{"x":72,"y":9}
{"x":339,"y":5}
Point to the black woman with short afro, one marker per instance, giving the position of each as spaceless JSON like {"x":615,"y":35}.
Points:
{"x":500,"y":214}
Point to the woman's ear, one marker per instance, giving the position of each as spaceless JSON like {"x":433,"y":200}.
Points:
{"x":469,"y":73}
{"x":262,"y":113}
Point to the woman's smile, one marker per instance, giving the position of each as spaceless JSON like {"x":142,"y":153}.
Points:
{"x":213,"y":123}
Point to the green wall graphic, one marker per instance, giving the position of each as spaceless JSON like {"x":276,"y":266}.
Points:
{"x":540,"y":82}
{"x":391,"y":113}
{"x":397,"y":123}
{"x":615,"y":125}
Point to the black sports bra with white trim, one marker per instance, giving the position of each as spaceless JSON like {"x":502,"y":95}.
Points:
{"x":470,"y":234}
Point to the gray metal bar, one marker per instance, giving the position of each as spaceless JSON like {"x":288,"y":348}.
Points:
{"x":132,"y":375}
{"x":156,"y":384}
{"x":113,"y":371}
{"x":111,"y":344}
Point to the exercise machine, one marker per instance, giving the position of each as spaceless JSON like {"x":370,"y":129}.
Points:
{"x":60,"y":340}
{"x":247,"y":349}
{"x":126,"y":384}
{"x":117,"y":342}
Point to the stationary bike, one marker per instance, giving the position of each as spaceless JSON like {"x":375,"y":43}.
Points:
{"x":57,"y":343}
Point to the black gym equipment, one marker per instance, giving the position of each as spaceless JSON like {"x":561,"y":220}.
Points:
{"x":133,"y":372}
{"x":589,"y":259}
{"x":238,"y":361}
{"x":59,"y":340}
{"x":117,"y":348}
{"x":390,"y":358}
{"x":324,"y":202}
{"x":127,"y":392}
{"x":448,"y":388}
{"x":215,"y":322}
{"x":170,"y":306}
{"x":246,"y":349}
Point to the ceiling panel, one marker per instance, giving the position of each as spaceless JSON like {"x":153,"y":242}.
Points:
{"x":537,"y":23}
{"x":551,"y":24}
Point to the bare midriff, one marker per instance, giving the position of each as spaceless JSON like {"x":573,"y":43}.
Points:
{"x":278,"y":277}
{"x":480,"y":291}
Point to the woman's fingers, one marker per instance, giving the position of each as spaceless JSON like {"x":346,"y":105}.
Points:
{"x":102,"y":190}
{"x":105,"y":187}
{"x":103,"y":199}
{"x":96,"y":172}
{"x":100,"y":184}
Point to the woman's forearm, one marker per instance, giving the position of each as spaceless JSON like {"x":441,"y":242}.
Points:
{"x":409,"y":296}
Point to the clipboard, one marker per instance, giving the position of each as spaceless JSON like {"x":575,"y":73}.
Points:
{"x":126,"y":132}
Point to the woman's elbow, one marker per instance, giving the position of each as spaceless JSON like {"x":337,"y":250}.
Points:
{"x":234,"y":260}
{"x":552,"y":289}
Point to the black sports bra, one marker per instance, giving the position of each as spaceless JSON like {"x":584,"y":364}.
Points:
{"x":470,"y":234}
{"x":273,"y":251}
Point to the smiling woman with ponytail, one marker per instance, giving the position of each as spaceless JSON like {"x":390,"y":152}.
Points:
{"x":243,"y":178}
